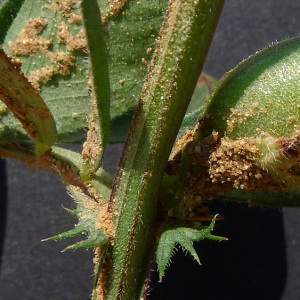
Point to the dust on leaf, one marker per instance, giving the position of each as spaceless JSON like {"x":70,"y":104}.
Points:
{"x":66,"y":8}
{"x":30,"y":42}
{"x":116,"y":6}
{"x":77,"y":42}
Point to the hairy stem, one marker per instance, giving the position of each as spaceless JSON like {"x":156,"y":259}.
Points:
{"x":180,"y":53}
{"x":97,"y":136}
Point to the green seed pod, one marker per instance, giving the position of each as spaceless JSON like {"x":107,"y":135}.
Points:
{"x":260,"y":95}
{"x":255,"y":110}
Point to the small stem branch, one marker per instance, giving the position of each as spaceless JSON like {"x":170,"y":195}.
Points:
{"x":65,"y":163}
{"x":99,"y":124}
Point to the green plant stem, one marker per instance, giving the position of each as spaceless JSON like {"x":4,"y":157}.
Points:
{"x":99,"y":65}
{"x":176,"y":65}
{"x":27,"y":105}
{"x":60,"y":161}
{"x":100,"y":120}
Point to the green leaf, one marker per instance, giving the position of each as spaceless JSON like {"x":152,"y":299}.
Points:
{"x":8,"y":11}
{"x":87,"y":211}
{"x":184,"y":237}
{"x":26,"y":105}
{"x":131,"y":43}
{"x":129,"y":35}
{"x":94,"y":239}
{"x":54,"y":60}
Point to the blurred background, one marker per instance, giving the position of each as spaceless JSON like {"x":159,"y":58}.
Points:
{"x":261,"y":259}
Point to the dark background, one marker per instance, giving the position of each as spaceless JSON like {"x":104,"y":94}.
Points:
{"x":261,"y":260}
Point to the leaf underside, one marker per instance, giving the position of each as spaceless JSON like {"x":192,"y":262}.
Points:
{"x":130,"y":39}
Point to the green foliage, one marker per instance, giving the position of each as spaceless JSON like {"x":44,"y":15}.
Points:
{"x":63,"y":81}
{"x":130,"y":39}
{"x":89,"y":77}
{"x":55,"y":63}
{"x":184,"y":237}
{"x":88,"y":214}
{"x":8,"y":11}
